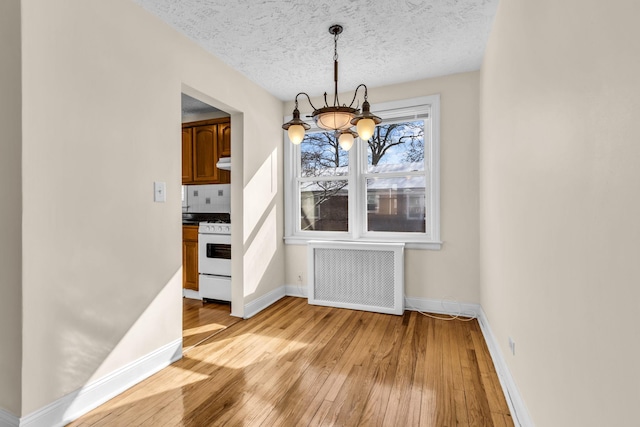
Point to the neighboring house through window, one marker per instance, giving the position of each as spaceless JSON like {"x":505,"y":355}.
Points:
{"x":384,"y":189}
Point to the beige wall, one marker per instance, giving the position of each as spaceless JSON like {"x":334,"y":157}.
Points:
{"x":102,"y":261}
{"x":453,"y":271}
{"x":10,"y":207}
{"x":560,"y":149}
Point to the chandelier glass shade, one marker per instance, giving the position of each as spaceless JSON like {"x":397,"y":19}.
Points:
{"x":334,"y":118}
{"x":296,"y":127}
{"x":346,"y":139}
{"x":337,"y":118}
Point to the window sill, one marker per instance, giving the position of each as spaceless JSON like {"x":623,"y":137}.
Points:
{"x":422,"y":245}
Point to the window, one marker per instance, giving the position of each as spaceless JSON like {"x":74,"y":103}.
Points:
{"x":386,"y":189}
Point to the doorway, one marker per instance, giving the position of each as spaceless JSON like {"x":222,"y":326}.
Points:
{"x":206,"y":191}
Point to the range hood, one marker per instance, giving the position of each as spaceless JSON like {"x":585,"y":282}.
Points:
{"x":224,"y":163}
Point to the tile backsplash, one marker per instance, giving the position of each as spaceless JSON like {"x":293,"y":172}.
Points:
{"x":206,"y":198}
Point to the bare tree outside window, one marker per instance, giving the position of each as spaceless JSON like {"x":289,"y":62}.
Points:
{"x":324,"y":203}
{"x":320,"y":155}
{"x":394,"y":202}
{"x":386,"y":188}
{"x":399,"y":142}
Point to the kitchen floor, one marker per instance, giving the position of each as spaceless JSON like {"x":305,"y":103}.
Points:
{"x":202,"y":321}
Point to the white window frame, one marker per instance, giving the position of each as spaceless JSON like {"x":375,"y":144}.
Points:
{"x":407,"y":110}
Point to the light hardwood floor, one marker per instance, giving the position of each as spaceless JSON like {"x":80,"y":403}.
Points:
{"x":201,"y":321}
{"x":297,"y":365}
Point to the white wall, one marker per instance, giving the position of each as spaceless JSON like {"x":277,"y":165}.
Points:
{"x":560,"y":149}
{"x":453,"y":271}
{"x":10,"y":207}
{"x":101,"y":93}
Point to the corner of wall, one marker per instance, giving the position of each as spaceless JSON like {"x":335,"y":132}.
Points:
{"x":10,"y":209}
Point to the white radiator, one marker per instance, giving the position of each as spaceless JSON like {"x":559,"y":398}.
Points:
{"x":361,"y":276}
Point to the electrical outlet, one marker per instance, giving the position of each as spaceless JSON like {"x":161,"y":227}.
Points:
{"x":512,"y":346}
{"x":300,"y":278}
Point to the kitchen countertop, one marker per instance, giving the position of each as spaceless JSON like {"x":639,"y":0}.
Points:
{"x":194,"y":218}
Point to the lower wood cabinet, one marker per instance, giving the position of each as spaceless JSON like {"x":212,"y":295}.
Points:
{"x":190,"y":257}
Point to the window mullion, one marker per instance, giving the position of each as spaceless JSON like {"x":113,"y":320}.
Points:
{"x":322,"y":178}
{"x":394,"y":174}
{"x":353,"y":191}
{"x":362,"y":188}
{"x":297,"y":192}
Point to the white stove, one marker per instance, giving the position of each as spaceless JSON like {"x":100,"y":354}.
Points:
{"x":214,"y":260}
{"x":208,"y":227}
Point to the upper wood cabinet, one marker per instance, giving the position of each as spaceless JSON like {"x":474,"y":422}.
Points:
{"x":187,"y":155}
{"x":224,"y":138}
{"x":205,"y":154}
{"x":203,"y":143}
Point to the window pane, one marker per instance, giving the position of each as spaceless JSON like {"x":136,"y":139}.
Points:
{"x":396,"y":204}
{"x":324,"y":206}
{"x":320,"y":155}
{"x":396,"y":147}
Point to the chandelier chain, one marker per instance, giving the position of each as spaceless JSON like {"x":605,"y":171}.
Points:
{"x":336,"y":100}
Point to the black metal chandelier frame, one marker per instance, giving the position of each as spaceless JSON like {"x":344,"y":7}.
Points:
{"x":349,"y":110}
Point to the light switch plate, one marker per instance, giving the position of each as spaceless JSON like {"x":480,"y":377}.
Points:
{"x":159,"y":192}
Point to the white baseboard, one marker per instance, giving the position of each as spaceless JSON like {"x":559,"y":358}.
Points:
{"x":440,"y":306}
{"x":8,"y":420}
{"x":519,"y":412}
{"x":299,"y":291}
{"x":259,"y":304}
{"x":412,"y":304}
{"x":78,"y":403}
{"x":74,"y":405}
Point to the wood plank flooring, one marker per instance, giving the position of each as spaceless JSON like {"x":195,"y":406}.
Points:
{"x":201,"y":321}
{"x":300,"y":365}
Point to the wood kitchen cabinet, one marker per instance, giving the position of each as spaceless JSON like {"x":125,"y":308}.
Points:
{"x":224,"y":138}
{"x":224,"y":147}
{"x":187,"y":155}
{"x":205,"y":154}
{"x":190,"y":257}
{"x":203,"y":143}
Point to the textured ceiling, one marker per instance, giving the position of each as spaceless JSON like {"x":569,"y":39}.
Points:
{"x":285,"y":47}
{"x":193,"y":106}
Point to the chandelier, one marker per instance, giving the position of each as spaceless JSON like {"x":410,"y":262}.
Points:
{"x":336,"y":117}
